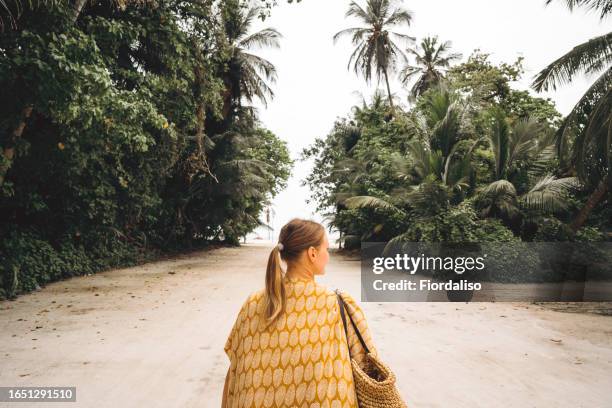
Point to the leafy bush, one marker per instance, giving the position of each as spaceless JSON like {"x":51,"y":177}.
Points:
{"x":135,"y":141}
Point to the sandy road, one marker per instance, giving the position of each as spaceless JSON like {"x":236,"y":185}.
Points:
{"x":153,"y":335}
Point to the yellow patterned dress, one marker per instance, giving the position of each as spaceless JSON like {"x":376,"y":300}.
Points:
{"x":301,"y":360}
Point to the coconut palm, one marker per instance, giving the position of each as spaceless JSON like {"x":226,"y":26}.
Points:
{"x":525,"y":140}
{"x":528,"y":141}
{"x":375,"y":49}
{"x":354,"y":175}
{"x":548,"y":195}
{"x":586,"y":130}
{"x":431,"y":60}
{"x":437,"y":163}
{"x":247,"y":73}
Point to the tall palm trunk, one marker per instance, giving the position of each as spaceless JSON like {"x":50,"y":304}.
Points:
{"x":9,"y":151}
{"x":388,"y":88}
{"x":77,"y":7}
{"x":594,"y":199}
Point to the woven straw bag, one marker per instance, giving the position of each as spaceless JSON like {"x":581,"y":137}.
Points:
{"x":375,"y":383}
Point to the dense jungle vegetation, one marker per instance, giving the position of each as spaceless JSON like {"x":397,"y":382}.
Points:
{"x":469,"y":157}
{"x":128,"y":131}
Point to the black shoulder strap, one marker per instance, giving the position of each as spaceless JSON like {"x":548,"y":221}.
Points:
{"x":341,"y":305}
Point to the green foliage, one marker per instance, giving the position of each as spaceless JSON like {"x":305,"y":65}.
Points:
{"x":472,"y":161}
{"x":129,"y":148}
{"x":589,"y":234}
{"x":376,"y":50}
{"x":487,"y":82}
{"x":490,"y":86}
{"x":275,"y":153}
{"x":432,"y":59}
{"x":552,"y":229}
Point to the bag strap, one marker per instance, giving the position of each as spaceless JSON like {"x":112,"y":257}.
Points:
{"x":341,"y":305}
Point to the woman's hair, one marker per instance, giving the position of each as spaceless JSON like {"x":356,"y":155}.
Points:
{"x":295,"y":236}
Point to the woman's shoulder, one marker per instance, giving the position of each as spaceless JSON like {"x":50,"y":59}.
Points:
{"x":256,"y":299}
{"x":332,"y":296}
{"x":320,"y":289}
{"x":255,"y":296}
{"x":351,"y":303}
{"x":347,"y":297}
{"x":252,"y":303}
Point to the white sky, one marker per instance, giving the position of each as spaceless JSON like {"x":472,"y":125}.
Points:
{"x":314,"y":86}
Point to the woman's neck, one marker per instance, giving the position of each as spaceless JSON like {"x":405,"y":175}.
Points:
{"x":299,"y":273}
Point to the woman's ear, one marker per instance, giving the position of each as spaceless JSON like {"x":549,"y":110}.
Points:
{"x":312,"y":253}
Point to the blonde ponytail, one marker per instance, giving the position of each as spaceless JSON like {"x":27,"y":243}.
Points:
{"x":275,"y":287}
{"x":295,"y":237}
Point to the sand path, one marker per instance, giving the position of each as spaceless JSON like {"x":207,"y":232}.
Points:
{"x":153,"y":336}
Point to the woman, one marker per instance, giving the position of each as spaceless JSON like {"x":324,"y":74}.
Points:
{"x":288,"y":347}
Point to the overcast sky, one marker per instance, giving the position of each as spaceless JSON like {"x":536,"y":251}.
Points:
{"x":314,"y":86}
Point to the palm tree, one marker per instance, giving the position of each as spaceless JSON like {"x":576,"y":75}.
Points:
{"x":247,"y":73}
{"x":438,"y":161}
{"x":375,"y":50}
{"x":431,"y":59}
{"x":586,"y":130}
{"x":528,"y":141}
{"x":548,"y":195}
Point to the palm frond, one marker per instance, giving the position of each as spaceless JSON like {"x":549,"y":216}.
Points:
{"x":268,"y":37}
{"x":589,"y":57}
{"x":538,"y":164}
{"x":564,"y":134}
{"x":446,"y":132}
{"x":419,"y":156}
{"x":603,"y":6}
{"x":355,"y":10}
{"x":500,"y":198}
{"x":429,"y":197}
{"x":357,"y":34}
{"x":499,"y":139}
{"x":251,"y":83}
{"x":523,"y":139}
{"x":262,"y":65}
{"x":396,"y":243}
{"x":250,"y":72}
{"x":595,"y":160}
{"x":499,"y":187}
{"x":398,"y":16}
{"x":408,"y":72}
{"x":370,"y":201}
{"x":549,"y":194}
{"x":431,"y":59}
